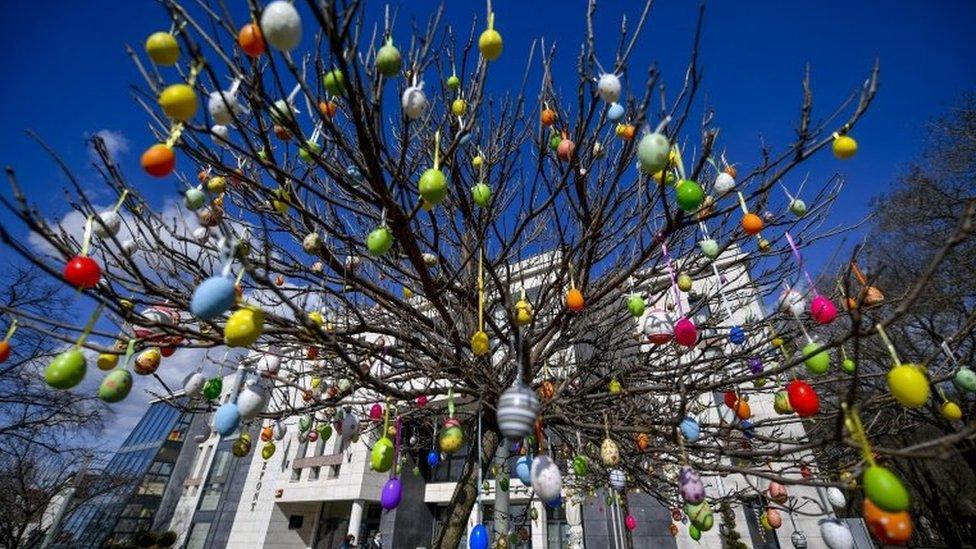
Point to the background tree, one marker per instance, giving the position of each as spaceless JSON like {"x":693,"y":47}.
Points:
{"x":374,"y":294}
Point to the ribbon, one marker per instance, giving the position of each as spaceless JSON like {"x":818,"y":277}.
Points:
{"x":450,"y":402}
{"x":481,"y":290}
{"x":854,"y":426}
{"x":130,"y":349}
{"x":86,"y":240}
{"x":674,"y":281}
{"x":888,"y":344}
{"x":89,"y":326}
{"x":10,"y":330}
{"x":437,"y":149}
{"x":799,"y":262}
{"x":396,"y":446}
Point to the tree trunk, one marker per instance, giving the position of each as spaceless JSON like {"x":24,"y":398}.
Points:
{"x":466,"y":492}
{"x":502,"y":507}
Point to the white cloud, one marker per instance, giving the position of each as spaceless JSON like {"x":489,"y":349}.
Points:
{"x":115,"y":143}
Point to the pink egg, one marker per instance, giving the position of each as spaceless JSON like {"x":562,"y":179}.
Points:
{"x":685,"y":332}
{"x":376,"y":412}
{"x":823,"y":310}
{"x":630,"y":522}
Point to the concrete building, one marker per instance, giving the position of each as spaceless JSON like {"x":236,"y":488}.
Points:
{"x":313,"y":493}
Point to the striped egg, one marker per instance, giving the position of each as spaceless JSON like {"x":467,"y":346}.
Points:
{"x":517,"y":410}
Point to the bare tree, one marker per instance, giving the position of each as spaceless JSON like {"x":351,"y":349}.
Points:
{"x":309,"y":172}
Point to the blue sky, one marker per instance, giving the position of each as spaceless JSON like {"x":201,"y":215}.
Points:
{"x":68,"y":76}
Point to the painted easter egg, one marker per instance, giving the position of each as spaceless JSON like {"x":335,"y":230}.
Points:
{"x":414,"y":102}
{"x":226,"y":419}
{"x":636,"y":305}
{"x":608,"y":87}
{"x":836,"y":498}
{"x":433,"y":458}
{"x":965,"y":379}
{"x":848,"y":366}
{"x":388,"y":59}
{"x":781,"y":403}
{"x":243,"y":327}
{"x":451,"y":437}
{"x":737,"y":335}
{"x":147,"y":362}
{"x":690,"y":429}
{"x":836,"y":535}
{"x":193,"y":384}
{"x":844,"y":147}
{"x":816,"y":362}
{"x":581,"y":465}
{"x":885,"y":489}
{"x":115,"y":386}
{"x":618,"y":480}
{"x":685,"y":332}
{"x":281,"y":25}
{"x":250,"y":40}
{"x":609,"y":453}
{"x":212,"y":388}
{"x":690,"y":486}
{"x":433,"y":186}
{"x":223,"y":106}
{"x":615,"y":111}
{"x":574,"y":300}
{"x":163,"y":49}
{"x":802,"y":398}
{"x":381,"y":457}
{"x":490,"y":44}
{"x":889,"y":527}
{"x":523,"y":470}
{"x":252,"y":400}
{"x":213,"y":297}
{"x":107,"y":225}
{"x":777,"y":492}
{"x":823,"y":310}
{"x":179,"y":102}
{"x":689,"y":195}
{"x":268,"y":450}
{"x":481,"y":194}
{"x":82,"y":272}
{"x":951,"y":411}
{"x":792,"y":301}
{"x":379,"y":241}
{"x":709,"y":248}
{"x":652,"y":152}
{"x":723,"y":183}
{"x":700,"y":515}
{"x":392,"y":494}
{"x":547,"y":481}
{"x":479,"y":537}
{"x":909,"y":386}
{"x":773,"y":518}
{"x":517,"y":411}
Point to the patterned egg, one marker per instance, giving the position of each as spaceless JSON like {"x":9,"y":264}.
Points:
{"x":252,"y":400}
{"x":223,"y":106}
{"x":212,"y":388}
{"x":618,"y":480}
{"x":700,"y":515}
{"x":523,"y":469}
{"x":280,"y":430}
{"x":609,"y":452}
{"x":737,"y":336}
{"x":115,"y":386}
{"x":773,"y":518}
{"x":152,"y":319}
{"x":226,"y":419}
{"x":281,"y":25}
{"x":268,"y":450}
{"x":836,"y":498}
{"x":781,"y":403}
{"x":517,"y":410}
{"x":581,"y":465}
{"x":451,"y":437}
{"x":147,"y":362}
{"x":690,"y":486}
{"x":546,"y":479}
{"x":212,"y":297}
{"x":657,"y":327}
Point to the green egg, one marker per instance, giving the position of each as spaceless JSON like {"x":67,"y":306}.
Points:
{"x":965,"y":379}
{"x":115,"y":386}
{"x":381,"y":457}
{"x":885,"y":489}
{"x":818,"y":363}
{"x":848,"y":366}
{"x":66,"y":370}
{"x":689,"y":195}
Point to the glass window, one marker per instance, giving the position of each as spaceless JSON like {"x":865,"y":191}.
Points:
{"x":198,"y":535}
{"x":557,"y":529}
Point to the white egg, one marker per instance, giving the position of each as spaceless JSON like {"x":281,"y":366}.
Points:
{"x":281,"y":25}
{"x":792,"y":300}
{"x":280,"y":430}
{"x":350,"y":425}
{"x":836,"y":534}
{"x":547,"y":481}
{"x":110,"y":225}
{"x":201,"y":234}
{"x":252,"y":400}
{"x":836,"y":497}
{"x":723,"y":183}
{"x":608,"y":87}
{"x":193,"y":384}
{"x":269,"y":364}
{"x":311,"y":242}
{"x":414,"y":101}
{"x":220,"y":133}
{"x":223,"y":106}
{"x":129,"y":247}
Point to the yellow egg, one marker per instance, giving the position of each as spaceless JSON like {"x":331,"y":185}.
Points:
{"x":908,"y":385}
{"x":179,"y":102}
{"x":523,"y":313}
{"x":162,"y":48}
{"x":477,"y":161}
{"x":459,"y":107}
{"x":216,"y":185}
{"x":244,"y":327}
{"x":108,"y":361}
{"x":844,"y":147}
{"x":777,"y":341}
{"x":490,"y":44}
{"x":479,"y":343}
{"x":951,"y":411}
{"x":316,"y":318}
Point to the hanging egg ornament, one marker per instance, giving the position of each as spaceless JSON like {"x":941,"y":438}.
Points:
{"x":816,"y":362}
{"x":518,"y":408}
{"x":379,"y":241}
{"x":213,"y":297}
{"x":194,"y":383}
{"x":684,"y":282}
{"x":844,"y":146}
{"x":777,"y":492}
{"x":690,"y":429}
{"x":737,"y":336}
{"x":223,"y":106}
{"x":334,"y":82}
{"x":548,"y":117}
{"x":480,"y":345}
{"x":523,"y":313}
{"x":802,"y":398}
{"x":268,"y":450}
{"x":685,"y":332}
{"x":885,"y":489}
{"x":792,"y":301}
{"x":798,"y":207}
{"x":836,"y":535}
{"x":848,"y":366}
{"x":281,"y":25}
{"x":376,"y":411}
{"x":252,"y":401}
{"x":250,"y":40}
{"x":689,"y":195}
{"x":414,"y":102}
{"x":690,"y":486}
{"x":388,"y":59}
{"x":574,"y":300}
{"x":630,"y":522}
{"x":212,"y":388}
{"x":226,"y":419}
{"x":523,"y":470}
{"x":158,"y":160}
{"x":615,"y":112}
{"x":653,"y":152}
{"x":657,"y":327}
{"x":823,"y":310}
{"x":179,"y":102}
{"x":609,"y":453}
{"x":909,"y":386}
{"x":147,"y":362}
{"x":459,"y":107}
{"x":742,"y":409}
{"x":116,"y":386}
{"x":781,"y":403}
{"x":392,"y":494}
{"x":82,"y":272}
{"x":490,"y":41}
{"x":547,"y":481}
{"x":724,"y":183}
{"x":381,"y":457}
{"x":163,"y":48}
{"x":451,"y":437}
{"x":565,"y":149}
{"x":773,"y":518}
{"x":751,"y":224}
{"x":193,"y":198}
{"x":636,"y":305}
{"x":836,"y":498}
{"x":951,"y":411}
{"x":243,"y":327}
{"x":453,"y":82}
{"x":709,"y":248}
{"x":608,"y":87}
{"x":965,"y":379}
{"x":581,"y":465}
{"x":108,"y":224}
{"x":105,"y":361}
{"x":433,"y":186}
{"x":618,"y":480}
{"x":479,"y":538}
{"x":433,"y":458}
{"x":481,"y":194}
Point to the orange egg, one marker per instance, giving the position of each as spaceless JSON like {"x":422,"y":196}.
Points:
{"x":752,"y":224}
{"x":890,"y":528}
{"x":266,"y":433}
{"x":548,"y":117}
{"x":643,"y":441}
{"x":574,"y":300}
{"x":282,"y":132}
{"x":328,"y":108}
{"x":158,"y":160}
{"x":547,"y":390}
{"x":742,"y":409}
{"x":312,"y":353}
{"x":250,"y":40}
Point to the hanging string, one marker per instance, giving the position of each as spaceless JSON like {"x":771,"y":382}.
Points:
{"x":86,"y":239}
{"x":674,"y":281}
{"x":852,"y":421}
{"x":129,"y":350}
{"x":480,"y":481}
{"x":397,"y":446}
{"x":481,"y":290}
{"x":888,"y":344}
{"x":799,"y":261}
{"x":89,"y":326}
{"x":10,"y":330}
{"x":437,"y":149}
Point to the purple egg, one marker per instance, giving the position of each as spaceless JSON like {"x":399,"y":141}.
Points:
{"x":755,"y":364}
{"x":392,"y":492}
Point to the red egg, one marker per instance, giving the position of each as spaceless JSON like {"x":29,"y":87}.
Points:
{"x":685,"y":332}
{"x":803,"y":398}
{"x":4,"y":351}
{"x":422,"y":400}
{"x":730,"y":399}
{"x":376,"y":412}
{"x":167,"y":351}
{"x":82,"y":272}
{"x":823,"y":310}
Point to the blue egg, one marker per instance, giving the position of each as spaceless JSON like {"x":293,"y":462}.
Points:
{"x":523,"y":470}
{"x":555,"y":503}
{"x":737,"y":335}
{"x":212,"y":297}
{"x":433,"y":458}
{"x":748,"y":428}
{"x":690,"y":429}
{"x":615,"y":112}
{"x":226,"y":419}
{"x":478,"y":538}
{"x":353,"y":172}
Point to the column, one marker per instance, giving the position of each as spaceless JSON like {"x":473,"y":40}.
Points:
{"x":356,"y":520}
{"x":539,"y":525}
{"x":574,"y":517}
{"x":502,"y":507}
